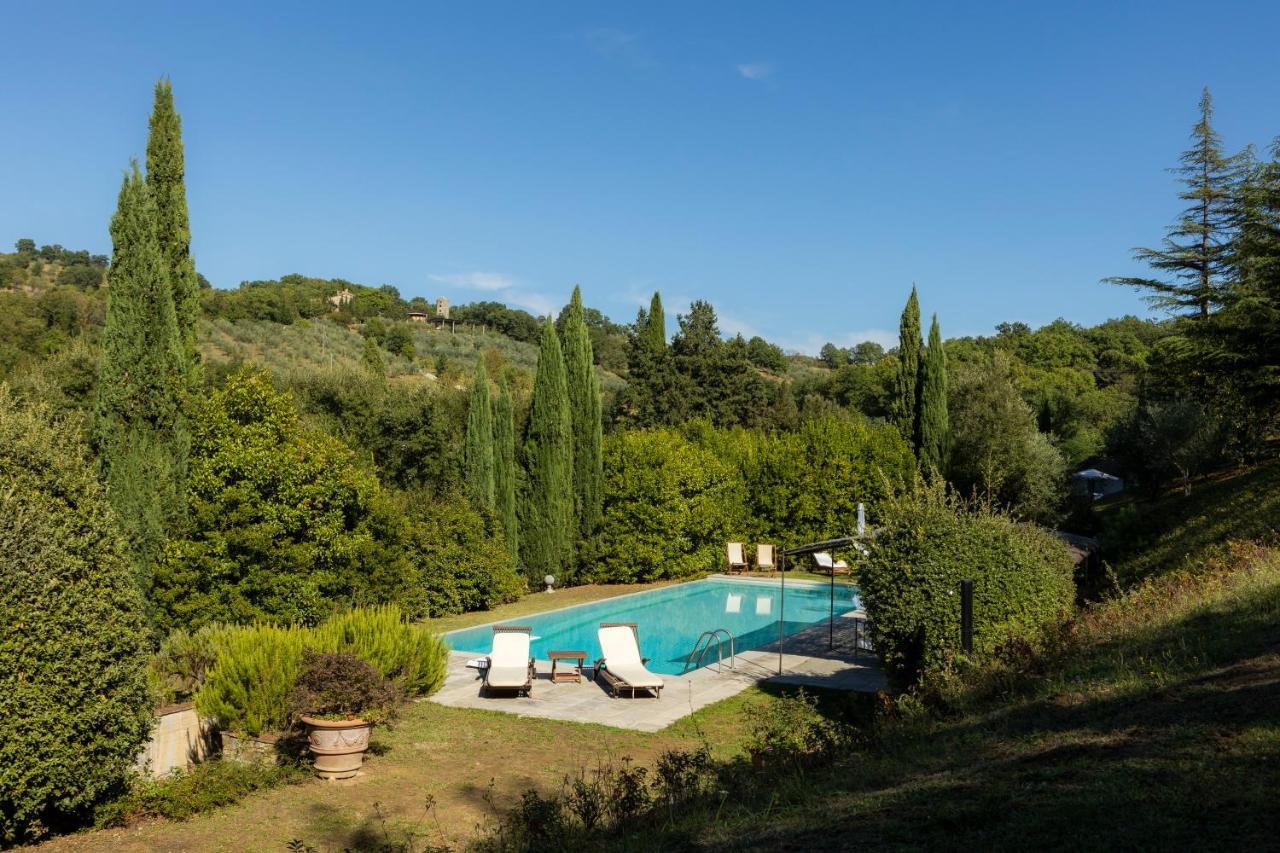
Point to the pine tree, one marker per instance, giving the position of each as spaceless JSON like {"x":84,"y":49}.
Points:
{"x":1240,"y":345}
{"x":909,"y":344}
{"x":504,"y":469}
{"x":584,"y":407}
{"x":547,"y":525}
{"x":139,"y":428}
{"x":166,"y":179}
{"x":933,"y":436}
{"x":478,"y":452}
{"x":1196,"y":252}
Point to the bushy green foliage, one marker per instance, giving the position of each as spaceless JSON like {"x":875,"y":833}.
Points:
{"x":284,"y":525}
{"x":140,"y":428}
{"x":478,"y":451}
{"x":74,"y":707}
{"x":933,"y":428}
{"x":341,"y":686}
{"x":505,"y":474}
{"x":905,"y":411}
{"x":247,"y":689}
{"x":177,"y":670}
{"x":715,"y":378}
{"x":805,"y":485}
{"x":409,"y":655}
{"x":547,"y":519}
{"x":459,"y":561}
{"x":997,"y":450}
{"x":584,"y":409}
{"x":792,"y":731}
{"x":166,"y":180}
{"x":669,"y":507}
{"x":183,"y":794}
{"x":926,"y":546}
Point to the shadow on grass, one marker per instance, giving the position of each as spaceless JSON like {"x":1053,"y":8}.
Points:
{"x":1191,"y":764}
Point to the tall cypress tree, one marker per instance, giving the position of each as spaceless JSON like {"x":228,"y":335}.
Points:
{"x":933,"y":434}
{"x":166,"y":178}
{"x":478,"y":450}
{"x":1196,"y":252}
{"x":909,"y":344}
{"x":584,"y":408}
{"x":139,"y":429}
{"x":546,"y":537}
{"x":652,"y":395}
{"x":654,"y":332}
{"x":504,"y":469}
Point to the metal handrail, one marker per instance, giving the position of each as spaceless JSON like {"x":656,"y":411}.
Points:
{"x":700,"y":650}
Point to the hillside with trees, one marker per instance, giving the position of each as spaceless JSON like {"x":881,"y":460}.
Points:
{"x":266,"y":461}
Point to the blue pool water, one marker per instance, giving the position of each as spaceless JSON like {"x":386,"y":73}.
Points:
{"x":670,"y":619}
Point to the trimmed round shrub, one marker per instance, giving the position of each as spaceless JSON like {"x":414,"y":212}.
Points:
{"x":74,"y":706}
{"x":911,"y":581}
{"x":669,"y":507}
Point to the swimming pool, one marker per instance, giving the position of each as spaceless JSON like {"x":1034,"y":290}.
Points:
{"x":670,"y":619}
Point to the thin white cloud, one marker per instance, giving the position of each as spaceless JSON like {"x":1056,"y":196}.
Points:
{"x":609,"y":41}
{"x":731,"y":326}
{"x":476,"y":280}
{"x":623,"y":47}
{"x":538,"y":303}
{"x":811,"y":344}
{"x":756,"y":70}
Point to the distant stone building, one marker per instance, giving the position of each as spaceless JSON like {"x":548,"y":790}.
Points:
{"x":417,"y":316}
{"x":442,"y":309}
{"x":340,"y":299}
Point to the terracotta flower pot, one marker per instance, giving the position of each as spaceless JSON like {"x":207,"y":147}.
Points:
{"x":338,"y":746}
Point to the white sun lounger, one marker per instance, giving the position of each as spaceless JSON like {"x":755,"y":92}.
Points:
{"x":831,"y":567}
{"x":509,"y":666}
{"x":620,"y":664}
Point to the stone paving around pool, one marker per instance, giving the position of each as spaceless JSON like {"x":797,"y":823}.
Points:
{"x":806,"y":661}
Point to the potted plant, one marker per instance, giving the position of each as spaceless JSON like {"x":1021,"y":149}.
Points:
{"x":340,"y":697}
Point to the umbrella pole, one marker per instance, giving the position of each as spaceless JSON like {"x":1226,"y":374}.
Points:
{"x":831,"y":619}
{"x":782,"y":598}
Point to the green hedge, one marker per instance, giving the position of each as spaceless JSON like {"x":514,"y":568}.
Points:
{"x":247,"y":688}
{"x":74,"y":707}
{"x":669,"y":507}
{"x":910,"y":582}
{"x":805,"y":485}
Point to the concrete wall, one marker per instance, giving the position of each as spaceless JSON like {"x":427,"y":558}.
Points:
{"x":179,"y":738}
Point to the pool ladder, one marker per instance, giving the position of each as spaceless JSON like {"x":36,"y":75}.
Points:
{"x":700,"y":648}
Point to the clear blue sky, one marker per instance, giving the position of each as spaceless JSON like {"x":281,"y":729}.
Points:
{"x":798,"y":165}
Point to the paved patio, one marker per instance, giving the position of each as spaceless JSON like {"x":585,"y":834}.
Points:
{"x":806,"y":661}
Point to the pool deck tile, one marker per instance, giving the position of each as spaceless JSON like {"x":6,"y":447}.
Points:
{"x":807,"y":660}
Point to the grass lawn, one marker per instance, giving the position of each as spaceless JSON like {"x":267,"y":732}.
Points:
{"x":451,"y":755}
{"x":1152,"y":724}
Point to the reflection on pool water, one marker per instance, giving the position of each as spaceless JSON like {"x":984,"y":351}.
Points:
{"x":671,"y":619}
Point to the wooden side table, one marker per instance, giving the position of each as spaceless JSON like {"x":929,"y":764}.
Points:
{"x":568,"y":673}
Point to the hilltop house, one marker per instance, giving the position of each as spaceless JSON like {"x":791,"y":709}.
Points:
{"x":341,"y":299}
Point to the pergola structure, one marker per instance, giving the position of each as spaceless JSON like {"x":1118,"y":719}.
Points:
{"x":800,"y":551}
